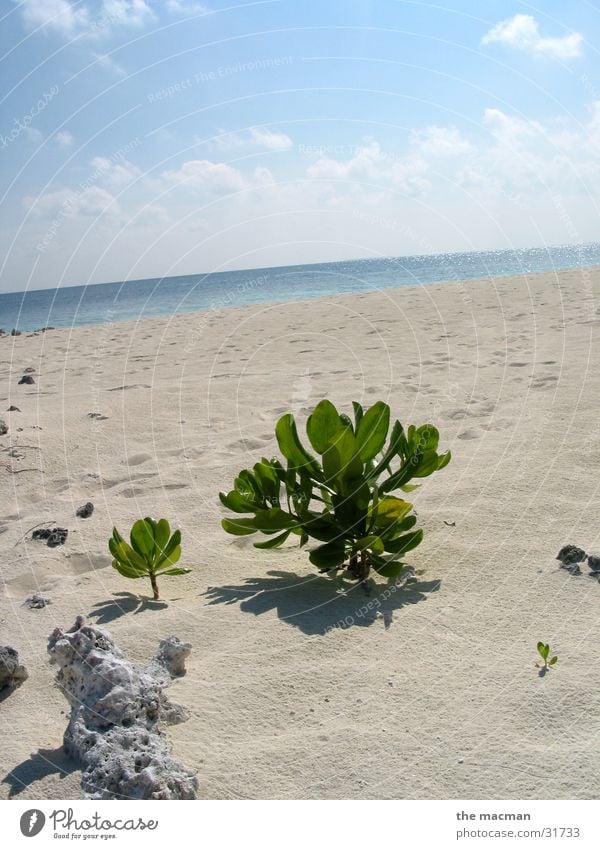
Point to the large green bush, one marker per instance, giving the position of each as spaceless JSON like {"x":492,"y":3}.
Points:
{"x":343,"y":499}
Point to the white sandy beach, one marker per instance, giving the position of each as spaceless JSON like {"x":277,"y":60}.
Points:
{"x":432,"y":693}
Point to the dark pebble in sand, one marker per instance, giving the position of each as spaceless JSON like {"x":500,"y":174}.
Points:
{"x":36,"y":602}
{"x":27,"y":378}
{"x":12,"y":673}
{"x":3,"y":427}
{"x":85,"y":511}
{"x":594,"y":562}
{"x":570,"y":555}
{"x":53,"y":536}
{"x":13,"y":409}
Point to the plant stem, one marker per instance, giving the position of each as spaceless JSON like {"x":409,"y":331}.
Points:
{"x":154,"y":585}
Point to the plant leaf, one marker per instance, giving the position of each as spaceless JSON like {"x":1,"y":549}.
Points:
{"x":125,"y":554}
{"x":553,"y":660}
{"x":126,"y":571}
{"x":236,"y":502}
{"x":291,"y":447}
{"x":358,"y":414}
{"x":341,"y":460}
{"x":396,"y":528}
{"x":391,"y":569}
{"x":117,"y":536}
{"x":267,"y":479}
{"x":173,"y":544}
{"x":444,"y":459}
{"x":321,"y":528}
{"x":372,"y":542}
{"x":323,"y":426}
{"x":169,"y":559}
{"x":274,"y":519}
{"x":239,"y":527}
{"x":162,"y":533}
{"x":427,"y":438}
{"x":179,"y":570}
{"x":405,"y":543}
{"x":248,"y":487}
{"x":142,"y":539}
{"x":389,"y":510}
{"x":328,"y":556}
{"x":396,"y":445}
{"x":274,"y":542}
{"x":372,"y":430}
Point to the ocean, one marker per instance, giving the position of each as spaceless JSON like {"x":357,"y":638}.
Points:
{"x":71,"y":306}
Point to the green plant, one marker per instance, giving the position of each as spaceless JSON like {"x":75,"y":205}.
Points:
{"x":153,"y":551}
{"x":544,"y":651}
{"x":342,"y":500}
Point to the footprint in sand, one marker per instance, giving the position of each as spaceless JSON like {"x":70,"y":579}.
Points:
{"x":470,"y":433}
{"x":543,"y":382}
{"x":138,"y":459}
{"x":79,"y":562}
{"x":250,"y":443}
{"x":141,"y":491}
{"x":108,"y":483}
{"x":129,"y":386}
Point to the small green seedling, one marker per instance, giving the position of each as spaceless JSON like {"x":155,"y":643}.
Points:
{"x":153,"y":551}
{"x":544,"y":651}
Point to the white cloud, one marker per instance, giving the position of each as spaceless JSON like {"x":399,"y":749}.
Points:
{"x":64,"y":138}
{"x":60,"y":15}
{"x":106,"y":61}
{"x":440,"y":142}
{"x":409,"y":173}
{"x":185,"y":8}
{"x":33,"y":135}
{"x":66,"y":202}
{"x":259,"y":136}
{"x":270,"y":140}
{"x":70,"y":18}
{"x":213,"y":178}
{"x":134,"y":13}
{"x":114,"y":173}
{"x":523,"y":33}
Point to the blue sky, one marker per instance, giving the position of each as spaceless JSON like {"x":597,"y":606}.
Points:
{"x":141,"y":139}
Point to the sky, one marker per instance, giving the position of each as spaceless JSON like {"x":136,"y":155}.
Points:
{"x":146,"y":139}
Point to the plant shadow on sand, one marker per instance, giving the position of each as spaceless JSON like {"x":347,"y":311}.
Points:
{"x":40,"y":764}
{"x":121,"y":604}
{"x":316,"y":604}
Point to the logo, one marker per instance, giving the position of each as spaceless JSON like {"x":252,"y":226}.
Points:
{"x":32,"y":822}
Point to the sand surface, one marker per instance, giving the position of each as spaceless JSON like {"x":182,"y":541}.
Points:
{"x":432,"y":693}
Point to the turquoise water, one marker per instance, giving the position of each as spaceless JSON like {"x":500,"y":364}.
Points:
{"x":135,"y":299}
